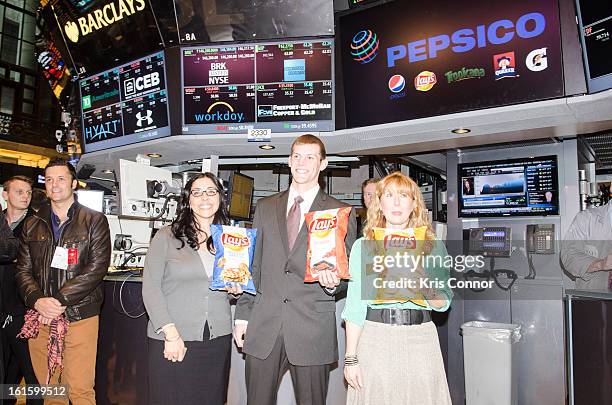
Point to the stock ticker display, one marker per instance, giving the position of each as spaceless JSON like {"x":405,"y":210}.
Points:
{"x":125,"y":105}
{"x":282,"y":86}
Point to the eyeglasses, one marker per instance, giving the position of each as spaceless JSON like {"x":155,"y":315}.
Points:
{"x":211,"y":192}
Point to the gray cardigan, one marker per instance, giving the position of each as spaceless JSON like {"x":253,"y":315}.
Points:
{"x":175,"y":290}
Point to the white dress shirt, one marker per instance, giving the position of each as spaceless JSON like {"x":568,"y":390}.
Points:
{"x":305,"y":205}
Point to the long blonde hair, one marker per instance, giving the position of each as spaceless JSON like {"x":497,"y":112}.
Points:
{"x":402,"y":184}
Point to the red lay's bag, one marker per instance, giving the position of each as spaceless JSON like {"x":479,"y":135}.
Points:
{"x":326,"y":249}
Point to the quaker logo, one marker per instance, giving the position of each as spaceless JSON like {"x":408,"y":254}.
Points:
{"x":141,"y":118}
{"x":536,"y":60}
{"x":464,"y":74}
{"x":139,"y":84}
{"x":504,"y":65}
{"x":220,"y":111}
{"x":265,"y":111}
{"x":105,"y":130}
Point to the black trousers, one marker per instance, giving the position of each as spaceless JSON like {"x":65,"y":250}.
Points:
{"x":17,"y":363}
{"x":201,"y":378}
{"x":263,"y":378}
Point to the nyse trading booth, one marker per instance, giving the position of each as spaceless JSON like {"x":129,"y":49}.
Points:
{"x":500,"y":112}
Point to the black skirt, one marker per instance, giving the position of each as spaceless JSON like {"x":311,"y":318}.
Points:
{"x":200,"y":379}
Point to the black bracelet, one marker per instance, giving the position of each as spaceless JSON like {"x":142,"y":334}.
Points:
{"x":351,"y":360}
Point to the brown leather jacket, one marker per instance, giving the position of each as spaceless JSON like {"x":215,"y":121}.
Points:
{"x":79,"y":287}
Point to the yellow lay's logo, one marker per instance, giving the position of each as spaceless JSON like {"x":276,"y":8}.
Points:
{"x":399,"y":241}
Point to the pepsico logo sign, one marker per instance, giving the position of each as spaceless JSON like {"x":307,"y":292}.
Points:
{"x":237,"y":241}
{"x":364,"y":46}
{"x":425,"y":81}
{"x":397,"y":83}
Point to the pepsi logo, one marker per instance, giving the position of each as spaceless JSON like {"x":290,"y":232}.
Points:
{"x":397,"y":83}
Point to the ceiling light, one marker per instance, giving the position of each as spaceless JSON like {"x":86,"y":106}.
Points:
{"x":461,"y":131}
{"x":267,"y":147}
{"x":154,"y":155}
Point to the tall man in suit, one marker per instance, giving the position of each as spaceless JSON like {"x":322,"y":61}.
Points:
{"x":291,"y":324}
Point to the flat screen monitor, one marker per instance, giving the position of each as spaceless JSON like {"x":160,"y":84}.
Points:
{"x":403,"y":61}
{"x":281,"y":86}
{"x":125,"y":105}
{"x":213,"y":21}
{"x":93,"y":199}
{"x":100,"y":34}
{"x":595,"y":21}
{"x":241,"y":195}
{"x":526,"y":186}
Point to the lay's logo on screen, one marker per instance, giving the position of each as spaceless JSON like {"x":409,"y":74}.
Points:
{"x":323,"y":224}
{"x":234,"y":241}
{"x":400,"y":241}
{"x":425,"y":81}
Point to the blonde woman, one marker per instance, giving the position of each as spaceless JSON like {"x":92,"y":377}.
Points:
{"x":392,"y":350}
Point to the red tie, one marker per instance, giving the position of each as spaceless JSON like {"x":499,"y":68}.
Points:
{"x":294,"y":217}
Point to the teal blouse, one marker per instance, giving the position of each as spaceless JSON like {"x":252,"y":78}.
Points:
{"x":356,"y":306}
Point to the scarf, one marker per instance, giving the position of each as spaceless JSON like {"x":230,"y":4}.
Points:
{"x":57,"y":335}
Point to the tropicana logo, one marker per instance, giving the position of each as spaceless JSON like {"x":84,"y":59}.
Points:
{"x":102,"y":17}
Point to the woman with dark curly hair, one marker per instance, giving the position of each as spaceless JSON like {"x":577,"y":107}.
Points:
{"x":190,"y":325}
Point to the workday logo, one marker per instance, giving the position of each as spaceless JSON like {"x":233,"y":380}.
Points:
{"x":364,"y":46}
{"x":220,"y":111}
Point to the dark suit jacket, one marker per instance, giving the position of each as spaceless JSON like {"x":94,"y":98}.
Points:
{"x":304,"y":311}
{"x":12,"y":303}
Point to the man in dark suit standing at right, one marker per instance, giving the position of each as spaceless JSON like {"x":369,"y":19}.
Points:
{"x":291,"y":324}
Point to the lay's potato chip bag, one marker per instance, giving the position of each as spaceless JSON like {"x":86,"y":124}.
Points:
{"x":409,"y":242}
{"x":326,"y":248}
{"x":234,"y":247}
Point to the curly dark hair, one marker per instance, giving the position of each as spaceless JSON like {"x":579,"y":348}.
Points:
{"x":185,"y":225}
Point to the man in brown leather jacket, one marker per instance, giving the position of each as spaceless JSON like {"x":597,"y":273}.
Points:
{"x":63,"y":257}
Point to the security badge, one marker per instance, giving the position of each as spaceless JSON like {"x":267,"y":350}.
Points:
{"x":64,"y":257}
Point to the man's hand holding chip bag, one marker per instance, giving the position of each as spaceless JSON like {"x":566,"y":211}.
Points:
{"x":326,"y":258}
